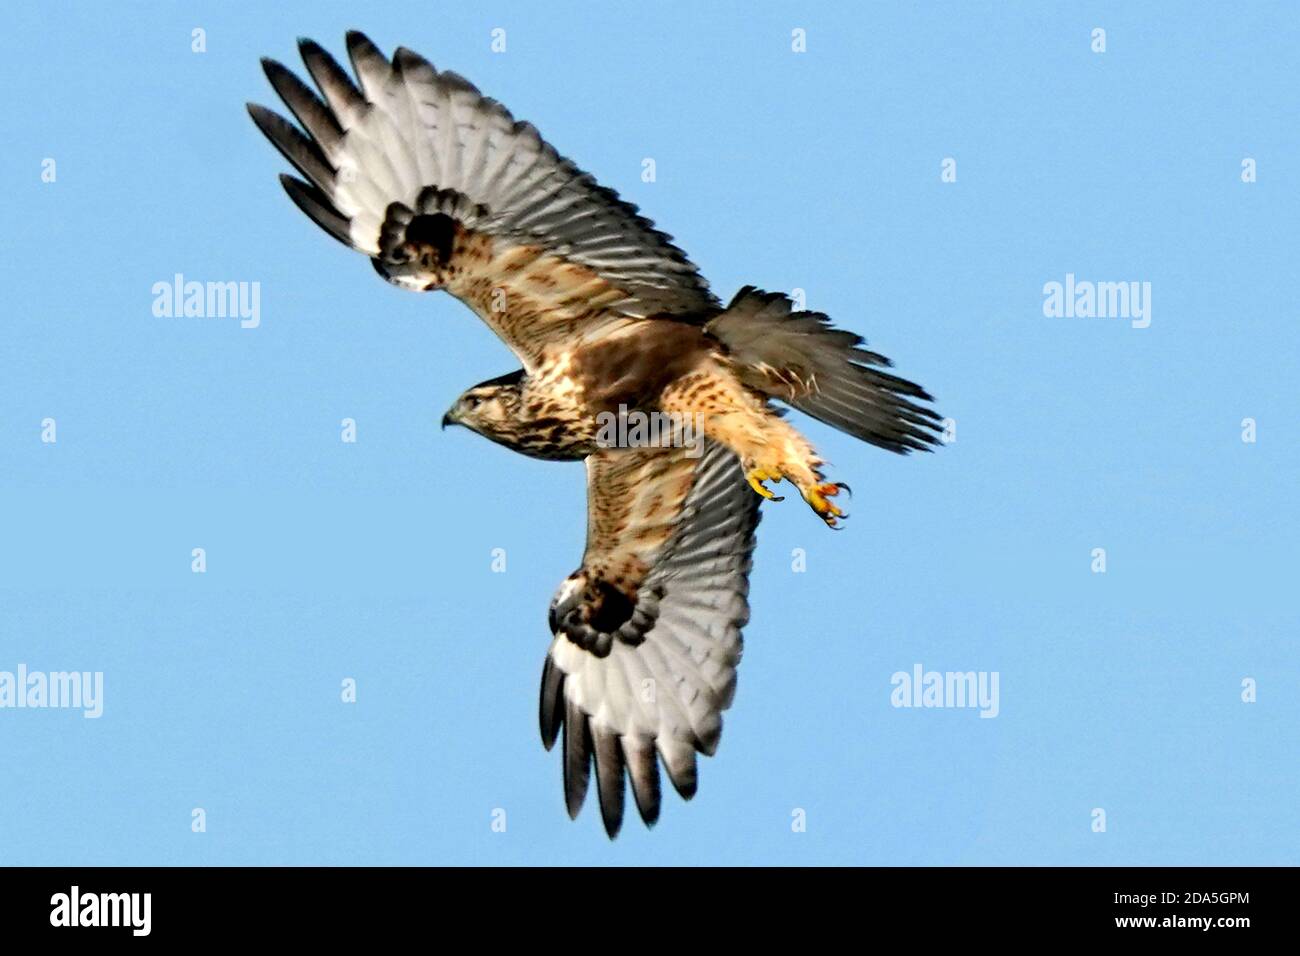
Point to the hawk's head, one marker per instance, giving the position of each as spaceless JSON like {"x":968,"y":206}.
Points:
{"x":497,"y":410}
{"x":492,"y":408}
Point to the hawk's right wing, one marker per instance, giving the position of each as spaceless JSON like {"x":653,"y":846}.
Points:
{"x":444,"y":189}
{"x":647,"y":631}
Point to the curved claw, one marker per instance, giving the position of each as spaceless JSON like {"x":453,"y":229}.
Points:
{"x":819,"y":499}
{"x":833,"y":488}
{"x":756,"y":479}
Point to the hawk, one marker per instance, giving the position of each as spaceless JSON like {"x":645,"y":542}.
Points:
{"x":444,"y":190}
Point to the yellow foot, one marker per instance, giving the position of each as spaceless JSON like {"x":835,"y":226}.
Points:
{"x":756,"y":477}
{"x":818,"y":497}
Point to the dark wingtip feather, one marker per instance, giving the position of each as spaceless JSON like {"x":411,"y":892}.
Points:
{"x":360,"y":46}
{"x":551,"y":713}
{"x":309,"y":50}
{"x":609,"y":780}
{"x":577,"y":758}
{"x":315,"y":204}
{"x":643,"y":770}
{"x":330,"y":78}
{"x":684,"y":777}
{"x":319,"y":122}
{"x":404,"y":58}
{"x":293,"y":145}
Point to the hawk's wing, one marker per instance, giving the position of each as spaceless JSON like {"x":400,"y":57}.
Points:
{"x":647,"y":631}
{"x":444,"y":189}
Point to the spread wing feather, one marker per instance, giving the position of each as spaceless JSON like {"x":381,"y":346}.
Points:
{"x":648,"y":630}
{"x":444,"y":189}
{"x":799,"y":358}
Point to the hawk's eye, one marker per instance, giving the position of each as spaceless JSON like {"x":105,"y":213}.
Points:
{"x":473,"y":401}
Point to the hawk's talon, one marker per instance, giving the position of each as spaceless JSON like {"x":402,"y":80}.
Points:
{"x":818,"y":497}
{"x":756,"y":477}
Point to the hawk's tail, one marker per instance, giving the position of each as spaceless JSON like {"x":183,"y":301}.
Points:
{"x":798,"y":358}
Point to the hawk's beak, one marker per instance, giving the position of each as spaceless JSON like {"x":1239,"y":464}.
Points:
{"x":448,"y":419}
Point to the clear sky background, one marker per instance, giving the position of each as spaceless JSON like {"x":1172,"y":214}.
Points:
{"x":816,"y":170}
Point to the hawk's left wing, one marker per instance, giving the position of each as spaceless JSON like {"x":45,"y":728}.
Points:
{"x":444,"y":189}
{"x":647,"y":631}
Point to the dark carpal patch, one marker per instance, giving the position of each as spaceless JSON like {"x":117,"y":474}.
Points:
{"x":594,"y":617}
{"x":611,"y":608}
{"x":437,"y":230}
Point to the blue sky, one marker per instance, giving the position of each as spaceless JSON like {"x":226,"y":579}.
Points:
{"x":1120,"y":691}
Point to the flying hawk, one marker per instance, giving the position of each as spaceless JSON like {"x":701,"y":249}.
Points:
{"x":443,"y":189}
